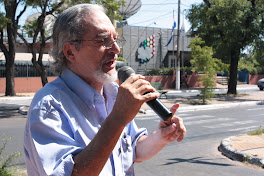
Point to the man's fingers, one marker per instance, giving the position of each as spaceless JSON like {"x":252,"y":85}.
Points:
{"x":174,"y":108}
{"x":180,"y":131}
{"x":131,"y":79}
{"x":168,"y":130}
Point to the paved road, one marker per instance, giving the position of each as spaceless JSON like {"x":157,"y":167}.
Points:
{"x":198,"y":154}
{"x":12,"y":126}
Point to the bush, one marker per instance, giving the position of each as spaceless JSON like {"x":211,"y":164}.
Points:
{"x":258,"y":131}
{"x":121,"y":59}
{"x":160,"y":71}
{"x":5,"y":162}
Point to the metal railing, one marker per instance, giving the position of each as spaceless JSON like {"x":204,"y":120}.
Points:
{"x":24,"y":70}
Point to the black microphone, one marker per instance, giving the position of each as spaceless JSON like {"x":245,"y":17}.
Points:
{"x":156,"y":105}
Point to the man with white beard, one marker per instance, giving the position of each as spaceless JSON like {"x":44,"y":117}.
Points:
{"x":82,"y":122}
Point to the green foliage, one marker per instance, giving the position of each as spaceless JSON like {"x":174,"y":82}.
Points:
{"x":254,"y":61}
{"x":5,"y":162}
{"x":258,"y":131}
{"x":111,"y":6}
{"x":228,"y":26}
{"x":248,"y":63}
{"x":121,"y":59}
{"x":204,"y":63}
{"x":31,"y":27}
{"x":258,"y":54}
{"x":3,"y":21}
{"x":160,"y":71}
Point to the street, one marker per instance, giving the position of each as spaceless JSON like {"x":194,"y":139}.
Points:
{"x":196,"y":155}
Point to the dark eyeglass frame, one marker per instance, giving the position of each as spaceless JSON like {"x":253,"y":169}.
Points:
{"x":118,"y":41}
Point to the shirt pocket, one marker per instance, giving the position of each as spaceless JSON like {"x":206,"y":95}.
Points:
{"x":126,"y":153}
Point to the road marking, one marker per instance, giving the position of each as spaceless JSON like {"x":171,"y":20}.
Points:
{"x":147,"y":117}
{"x":197,"y":117}
{"x":229,"y":124}
{"x":257,"y":115}
{"x":206,"y":121}
{"x":244,"y":128}
{"x":182,"y":115}
{"x":154,"y":116}
{"x":253,"y":109}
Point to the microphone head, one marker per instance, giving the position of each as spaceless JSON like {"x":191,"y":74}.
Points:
{"x":125,"y":72}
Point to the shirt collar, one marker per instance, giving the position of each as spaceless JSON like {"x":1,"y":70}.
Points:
{"x":84,"y":90}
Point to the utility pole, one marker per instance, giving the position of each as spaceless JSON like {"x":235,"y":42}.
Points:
{"x":177,"y":62}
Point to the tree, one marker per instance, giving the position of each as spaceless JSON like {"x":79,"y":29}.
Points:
{"x":248,"y":63}
{"x":204,"y":63}
{"x":229,"y":27}
{"x":37,"y":27}
{"x":9,"y":24}
{"x":257,"y":55}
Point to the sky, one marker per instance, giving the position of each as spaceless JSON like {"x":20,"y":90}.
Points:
{"x":159,"y":13}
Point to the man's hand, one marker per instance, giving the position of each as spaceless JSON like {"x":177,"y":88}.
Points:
{"x":131,"y":95}
{"x":173,"y":129}
{"x":169,"y":131}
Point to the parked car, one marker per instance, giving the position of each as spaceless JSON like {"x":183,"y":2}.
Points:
{"x":261,"y":84}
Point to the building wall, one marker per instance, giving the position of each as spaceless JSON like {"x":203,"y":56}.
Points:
{"x":253,"y":79}
{"x":25,"y":85}
{"x":134,"y":35}
{"x":33,"y":84}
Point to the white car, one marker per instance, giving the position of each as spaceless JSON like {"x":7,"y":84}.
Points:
{"x":261,"y":84}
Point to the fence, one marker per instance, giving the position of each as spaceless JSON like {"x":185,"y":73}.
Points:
{"x":24,"y":70}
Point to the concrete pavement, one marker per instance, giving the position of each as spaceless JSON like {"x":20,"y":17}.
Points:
{"x":242,"y":147}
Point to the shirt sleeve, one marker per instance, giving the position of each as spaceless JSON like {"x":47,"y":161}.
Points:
{"x":135,"y":134}
{"x":49,"y":141}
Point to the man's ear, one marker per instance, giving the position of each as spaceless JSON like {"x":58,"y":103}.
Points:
{"x":68,"y":51}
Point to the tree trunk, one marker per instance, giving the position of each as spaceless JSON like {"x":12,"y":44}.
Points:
{"x":232,"y":83}
{"x":10,"y":54}
{"x":44,"y":78}
{"x":10,"y":72}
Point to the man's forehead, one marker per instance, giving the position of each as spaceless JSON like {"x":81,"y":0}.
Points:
{"x":106,"y":34}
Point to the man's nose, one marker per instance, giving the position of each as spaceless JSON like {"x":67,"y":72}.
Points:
{"x":115,"y":49}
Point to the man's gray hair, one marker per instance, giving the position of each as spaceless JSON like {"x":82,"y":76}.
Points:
{"x":70,"y":25}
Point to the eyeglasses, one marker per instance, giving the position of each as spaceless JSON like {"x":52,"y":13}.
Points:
{"x":107,"y":42}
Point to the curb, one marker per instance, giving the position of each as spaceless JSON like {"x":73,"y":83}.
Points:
{"x":23,"y":110}
{"x":226,"y":149}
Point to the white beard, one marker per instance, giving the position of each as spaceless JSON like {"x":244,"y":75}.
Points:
{"x":103,"y":77}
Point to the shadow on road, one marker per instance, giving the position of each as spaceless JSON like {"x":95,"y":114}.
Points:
{"x":196,"y":160}
{"x":9,"y":111}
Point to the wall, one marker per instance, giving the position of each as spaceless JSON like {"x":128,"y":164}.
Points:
{"x":134,"y":35}
{"x":253,"y":79}
{"x":168,"y":82}
{"x":33,"y":84}
{"x":24,"y":85}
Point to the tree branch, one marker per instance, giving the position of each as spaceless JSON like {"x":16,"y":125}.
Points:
{"x":24,"y":40}
{"x":55,"y":8}
{"x":207,"y":3}
{"x":20,"y":14}
{"x":2,"y":45}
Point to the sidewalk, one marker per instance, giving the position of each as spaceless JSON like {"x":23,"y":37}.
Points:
{"x":242,"y":147}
